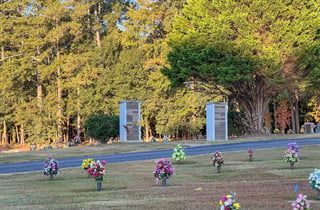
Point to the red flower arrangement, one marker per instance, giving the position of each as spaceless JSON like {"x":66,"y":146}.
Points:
{"x":218,"y":160}
{"x":97,"y":169}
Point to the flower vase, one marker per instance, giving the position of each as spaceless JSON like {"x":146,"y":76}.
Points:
{"x":291,"y":165}
{"x":218,"y":169}
{"x":250,"y":158}
{"x":164,"y":182}
{"x":51,"y":176}
{"x":99,"y":185}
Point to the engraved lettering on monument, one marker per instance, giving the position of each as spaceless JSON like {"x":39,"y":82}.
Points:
{"x":132,"y":126}
{"x":220,"y":122}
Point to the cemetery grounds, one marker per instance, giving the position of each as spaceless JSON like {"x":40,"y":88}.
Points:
{"x":265,"y":183}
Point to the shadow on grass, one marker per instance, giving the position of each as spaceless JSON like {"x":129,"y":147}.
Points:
{"x":92,"y":188}
{"x":185,"y":162}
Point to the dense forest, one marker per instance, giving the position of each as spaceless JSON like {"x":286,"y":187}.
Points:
{"x":63,"y":61}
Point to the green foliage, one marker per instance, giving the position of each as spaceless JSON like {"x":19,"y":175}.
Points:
{"x":235,"y":123}
{"x":310,"y":60}
{"x":102,"y":127}
{"x":208,"y":64}
{"x":243,"y":46}
{"x":63,"y":61}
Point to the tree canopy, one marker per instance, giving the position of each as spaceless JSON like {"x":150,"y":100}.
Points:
{"x":64,"y":61}
{"x":244,"y":46}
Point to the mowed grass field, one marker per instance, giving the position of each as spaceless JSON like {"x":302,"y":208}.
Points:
{"x":265,"y":183}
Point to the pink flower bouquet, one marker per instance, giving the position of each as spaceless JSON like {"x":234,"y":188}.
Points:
{"x":301,"y":203}
{"x":163,"y":170}
{"x":51,"y":167}
{"x":97,"y":169}
{"x":291,"y":156}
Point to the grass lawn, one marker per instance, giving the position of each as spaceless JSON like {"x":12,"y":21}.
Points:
{"x":265,"y":183}
{"x":127,"y":147}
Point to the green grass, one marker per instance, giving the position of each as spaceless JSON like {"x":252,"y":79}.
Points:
{"x":126,"y":147}
{"x":265,"y":183}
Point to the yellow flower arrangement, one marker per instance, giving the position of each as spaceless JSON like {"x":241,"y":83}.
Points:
{"x":86,"y":163}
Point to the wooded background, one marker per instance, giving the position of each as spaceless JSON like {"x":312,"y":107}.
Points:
{"x":65,"y":60}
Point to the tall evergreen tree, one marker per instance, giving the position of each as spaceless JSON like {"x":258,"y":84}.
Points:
{"x":241,"y":45}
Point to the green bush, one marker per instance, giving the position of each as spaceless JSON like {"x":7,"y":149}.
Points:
{"x":102,"y":127}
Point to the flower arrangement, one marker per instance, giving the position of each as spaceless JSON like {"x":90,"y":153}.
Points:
{"x":293,"y":146}
{"x":217,"y":160}
{"x":250,"y":153}
{"x":178,"y":153}
{"x":301,"y":203}
{"x":51,"y":167}
{"x":97,"y":170}
{"x":291,"y":157}
{"x":163,"y":170}
{"x":86,"y":163}
{"x":227,"y":202}
{"x":314,"y":180}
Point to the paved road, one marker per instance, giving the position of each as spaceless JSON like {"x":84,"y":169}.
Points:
{"x":8,"y":168}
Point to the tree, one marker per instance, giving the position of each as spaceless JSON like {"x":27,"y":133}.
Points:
{"x":102,"y":127}
{"x":283,"y":116}
{"x":241,"y":45}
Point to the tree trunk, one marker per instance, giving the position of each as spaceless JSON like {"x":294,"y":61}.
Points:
{"x":253,"y":110}
{"x":22,"y":135}
{"x":296,"y":110}
{"x":17,"y":133}
{"x":275,"y":115}
{"x":59,"y":102}
{"x":5,"y":133}
{"x":97,"y":12}
{"x":293,"y":119}
{"x":147,"y":136}
{"x":78,"y":113}
{"x":66,"y":138}
{"x":13,"y":137}
{"x":253,"y":96}
{"x":267,"y":120}
{"x":39,"y":85}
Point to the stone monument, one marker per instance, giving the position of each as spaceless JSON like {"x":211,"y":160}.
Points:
{"x":308,"y":127}
{"x":318,"y":128}
{"x":130,"y":117}
{"x":217,"y":121}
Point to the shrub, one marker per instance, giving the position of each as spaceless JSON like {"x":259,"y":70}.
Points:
{"x":102,"y":127}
